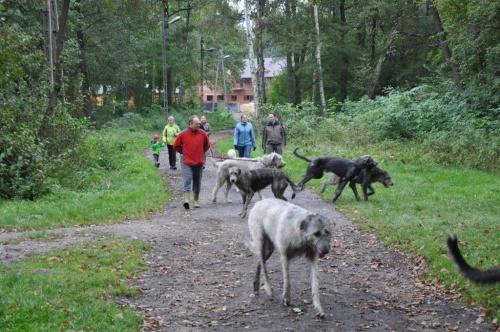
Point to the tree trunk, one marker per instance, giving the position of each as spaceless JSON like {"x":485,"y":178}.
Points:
{"x":87,"y":102}
{"x":251,"y":57}
{"x":446,"y":50}
{"x":289,"y":54}
{"x":49,"y":111}
{"x":318,"y":60}
{"x":387,"y":50}
{"x":261,"y":83}
{"x":344,"y":71}
{"x":186,"y":49}
{"x":373,"y":29}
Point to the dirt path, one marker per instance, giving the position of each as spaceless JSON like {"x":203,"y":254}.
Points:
{"x":201,"y":273}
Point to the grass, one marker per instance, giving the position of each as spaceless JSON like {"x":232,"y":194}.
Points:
{"x":71,"y":289}
{"x":133,"y":189}
{"x":416,"y":215}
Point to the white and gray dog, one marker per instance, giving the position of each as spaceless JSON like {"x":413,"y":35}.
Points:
{"x":293,"y":232}
{"x":245,"y":164}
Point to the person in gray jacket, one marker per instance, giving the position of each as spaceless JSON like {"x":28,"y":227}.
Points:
{"x":273,"y":136}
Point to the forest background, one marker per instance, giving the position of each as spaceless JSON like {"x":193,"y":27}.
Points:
{"x":414,"y":83}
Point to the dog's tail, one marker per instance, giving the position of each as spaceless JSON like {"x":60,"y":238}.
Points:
{"x":473,"y":274}
{"x":299,"y":156}
{"x":294,"y":187}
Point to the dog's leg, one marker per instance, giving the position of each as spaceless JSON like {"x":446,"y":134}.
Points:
{"x":352,"y":184}
{"x":246,"y":203}
{"x":256,"y":280}
{"x":371,"y":192}
{"x":339,"y":190}
{"x":286,"y":280}
{"x":315,"y":288}
{"x":260,"y":195}
{"x":329,"y":182}
{"x":218,"y":184}
{"x":266,"y":251}
{"x":229,"y":184}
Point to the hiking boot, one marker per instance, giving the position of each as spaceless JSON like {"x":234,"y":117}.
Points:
{"x":196,"y":197}
{"x":158,"y":165}
{"x":186,"y":201}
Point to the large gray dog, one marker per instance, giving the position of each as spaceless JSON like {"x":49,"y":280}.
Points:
{"x":253,"y":181}
{"x":246,"y":164}
{"x":293,"y":232}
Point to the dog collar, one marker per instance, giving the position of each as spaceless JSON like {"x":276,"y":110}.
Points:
{"x":262,"y":161}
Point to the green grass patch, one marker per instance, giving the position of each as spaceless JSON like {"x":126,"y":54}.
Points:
{"x":426,"y":204}
{"x":416,"y":215}
{"x":130,"y":188}
{"x":71,"y":289}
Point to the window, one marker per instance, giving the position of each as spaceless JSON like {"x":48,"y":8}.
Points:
{"x":220,"y":97}
{"x":234,"y":97}
{"x":210,"y":97}
{"x":248,"y":97}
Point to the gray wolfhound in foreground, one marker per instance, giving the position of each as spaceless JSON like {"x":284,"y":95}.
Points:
{"x":473,"y":274}
{"x":293,"y":232}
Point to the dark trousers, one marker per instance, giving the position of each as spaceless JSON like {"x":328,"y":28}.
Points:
{"x":274,"y":148}
{"x":156,"y":157}
{"x":192,"y":178}
{"x":171,"y":155}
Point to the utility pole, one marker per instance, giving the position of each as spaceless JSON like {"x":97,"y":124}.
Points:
{"x":216,"y":78}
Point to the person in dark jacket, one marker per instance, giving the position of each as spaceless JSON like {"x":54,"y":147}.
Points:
{"x":273,"y":136}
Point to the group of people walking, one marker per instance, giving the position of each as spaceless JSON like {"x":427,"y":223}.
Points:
{"x":193,"y":143}
{"x":273,"y":137}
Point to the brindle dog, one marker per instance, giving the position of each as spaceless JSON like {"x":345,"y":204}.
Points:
{"x":366,"y":178}
{"x":345,"y":169}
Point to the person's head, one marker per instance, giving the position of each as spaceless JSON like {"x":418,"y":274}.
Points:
{"x":244,"y":118}
{"x":203,"y":119}
{"x":156,"y":137}
{"x":194,"y":122}
{"x":171,"y":120}
{"x":272,"y":117}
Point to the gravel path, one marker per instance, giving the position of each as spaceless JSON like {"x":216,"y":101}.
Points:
{"x":201,"y":273}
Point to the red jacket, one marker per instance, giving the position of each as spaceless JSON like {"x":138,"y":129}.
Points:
{"x":192,"y":144}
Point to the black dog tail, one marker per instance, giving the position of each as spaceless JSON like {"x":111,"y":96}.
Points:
{"x":295,"y":188}
{"x":299,"y":156}
{"x":473,"y":274}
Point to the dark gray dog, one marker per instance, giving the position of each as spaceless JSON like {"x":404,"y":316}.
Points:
{"x":246,"y":164}
{"x":345,"y":169}
{"x":366,"y":177}
{"x":250,"y":182}
{"x":293,"y":232}
{"x":473,"y":274}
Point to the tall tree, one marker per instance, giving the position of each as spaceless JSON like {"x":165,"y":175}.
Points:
{"x":54,"y":95}
{"x":457,"y":76}
{"x":318,"y":60}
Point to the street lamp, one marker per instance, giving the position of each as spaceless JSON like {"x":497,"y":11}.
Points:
{"x":202,"y":48}
{"x":164,"y":56}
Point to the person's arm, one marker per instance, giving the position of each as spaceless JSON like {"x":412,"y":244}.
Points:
{"x":283,"y":133}
{"x":178,"y":144}
{"x":206,"y":145}
{"x":209,"y":129}
{"x":235,"y":136}
{"x":165,"y":134}
{"x":264,"y":138}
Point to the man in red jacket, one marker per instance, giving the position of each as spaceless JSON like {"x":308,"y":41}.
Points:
{"x":192,"y":143}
